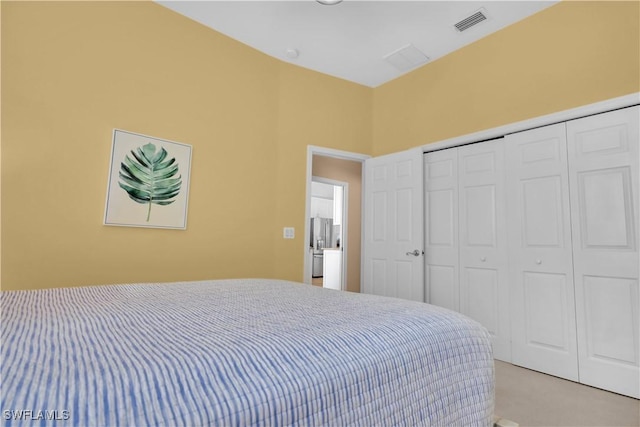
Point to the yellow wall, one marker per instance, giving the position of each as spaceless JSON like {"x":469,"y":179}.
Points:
{"x":568,"y":55}
{"x":314,"y":109}
{"x":73,"y":71}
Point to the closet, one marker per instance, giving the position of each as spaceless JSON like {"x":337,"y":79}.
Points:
{"x":535,"y":235}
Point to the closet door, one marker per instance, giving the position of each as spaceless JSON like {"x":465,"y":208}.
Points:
{"x":543,"y":329}
{"x":441,"y":228}
{"x":603,"y":168}
{"x":484,"y":291}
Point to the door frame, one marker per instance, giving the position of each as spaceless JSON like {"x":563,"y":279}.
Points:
{"x":337,"y":154}
{"x":548,"y":119}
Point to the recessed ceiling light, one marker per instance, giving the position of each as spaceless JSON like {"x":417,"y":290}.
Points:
{"x":329,"y":2}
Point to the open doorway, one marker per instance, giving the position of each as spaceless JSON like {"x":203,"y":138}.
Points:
{"x":328,"y":226}
{"x":337,"y":168}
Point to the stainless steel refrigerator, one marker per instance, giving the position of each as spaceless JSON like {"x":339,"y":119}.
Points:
{"x":321,"y":230}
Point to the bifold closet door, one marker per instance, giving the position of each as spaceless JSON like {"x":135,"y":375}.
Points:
{"x":603,"y":170}
{"x":441,"y":228}
{"x":465,"y":234}
{"x":543,"y":327}
{"x":484,"y":286}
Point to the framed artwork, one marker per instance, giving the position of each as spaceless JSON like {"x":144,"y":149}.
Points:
{"x":148,"y":182}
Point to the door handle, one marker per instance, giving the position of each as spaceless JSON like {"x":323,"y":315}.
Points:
{"x":416,"y":252}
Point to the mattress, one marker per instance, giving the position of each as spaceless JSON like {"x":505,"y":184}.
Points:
{"x":238,"y":353}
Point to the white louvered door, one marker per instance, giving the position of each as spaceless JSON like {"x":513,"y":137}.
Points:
{"x":484,"y":283}
{"x":543,"y":326}
{"x":603,"y":170}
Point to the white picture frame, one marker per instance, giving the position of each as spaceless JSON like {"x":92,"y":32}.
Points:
{"x":148,"y":182}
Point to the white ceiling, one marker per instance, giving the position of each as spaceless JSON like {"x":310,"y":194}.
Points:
{"x":350,"y":40}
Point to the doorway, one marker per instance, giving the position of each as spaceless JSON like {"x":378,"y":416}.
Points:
{"x":336,"y":168}
{"x":328,"y":226}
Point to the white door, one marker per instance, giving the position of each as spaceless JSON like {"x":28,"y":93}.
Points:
{"x":603,"y":170}
{"x":484,"y":285}
{"x":441,"y":228}
{"x":393,"y":246}
{"x":543,"y":329}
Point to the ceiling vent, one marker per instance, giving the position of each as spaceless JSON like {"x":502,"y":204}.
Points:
{"x":406,"y":58}
{"x":470,"y":21}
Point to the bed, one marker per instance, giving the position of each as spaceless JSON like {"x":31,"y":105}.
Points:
{"x":238,"y":353}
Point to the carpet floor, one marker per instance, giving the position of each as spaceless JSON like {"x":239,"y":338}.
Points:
{"x":531,"y":398}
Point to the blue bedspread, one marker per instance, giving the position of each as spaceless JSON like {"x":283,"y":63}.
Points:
{"x":238,"y":353}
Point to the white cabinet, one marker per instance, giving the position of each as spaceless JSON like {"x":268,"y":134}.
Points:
{"x":322,"y":196}
{"x":321,"y":207}
{"x":332,"y":269}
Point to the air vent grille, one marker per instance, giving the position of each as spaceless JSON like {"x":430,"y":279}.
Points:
{"x":470,"y":21}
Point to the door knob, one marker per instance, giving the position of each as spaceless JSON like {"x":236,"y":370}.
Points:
{"x":416,"y":252}
{"x":538,"y":261}
{"x":483,"y":259}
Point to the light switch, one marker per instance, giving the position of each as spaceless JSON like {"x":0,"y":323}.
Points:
{"x":289,"y":233}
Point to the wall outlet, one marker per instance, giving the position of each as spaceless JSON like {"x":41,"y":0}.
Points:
{"x":289,"y":233}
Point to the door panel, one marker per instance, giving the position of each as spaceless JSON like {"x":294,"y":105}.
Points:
{"x":483,"y":296}
{"x":393,"y":226}
{"x":442,"y":280}
{"x":441,"y":228}
{"x":404,"y":209}
{"x":543,"y":328}
{"x":378,"y":277}
{"x":379,"y":216}
{"x":542,"y":212}
{"x":606,"y":209}
{"x":404,"y":272}
{"x":484,"y":286}
{"x":603,"y":167}
{"x":545,"y":311}
{"x":608,"y":331}
{"x":480,"y":215}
